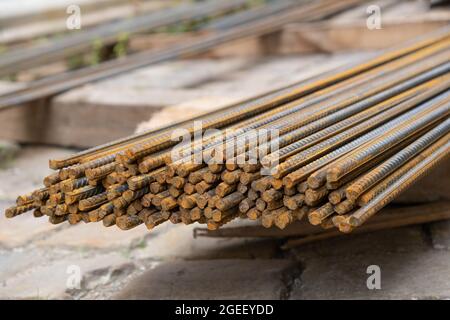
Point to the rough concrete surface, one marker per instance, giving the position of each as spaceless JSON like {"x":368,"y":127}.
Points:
{"x":212,"y":279}
{"x":410,"y":267}
{"x":42,"y":261}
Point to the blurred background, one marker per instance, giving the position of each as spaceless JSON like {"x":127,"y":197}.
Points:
{"x":76,"y":74}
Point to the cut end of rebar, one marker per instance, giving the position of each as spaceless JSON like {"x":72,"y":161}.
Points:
{"x":282,"y":222}
{"x":9,"y":213}
{"x":334,"y":198}
{"x":314,"y":183}
{"x":337,"y":220}
{"x":150,"y":225}
{"x":352,"y":194}
{"x":345,"y":227}
{"x":253,"y":214}
{"x":277,"y":184}
{"x":333,"y":174}
{"x":288,"y":182}
{"x":267,"y":220}
{"x":56,"y":164}
{"x":143,"y":168}
{"x":354,"y":221}
{"x":211,"y":225}
{"x":314,"y":219}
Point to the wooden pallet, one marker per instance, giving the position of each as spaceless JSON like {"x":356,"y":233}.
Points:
{"x":302,"y":232}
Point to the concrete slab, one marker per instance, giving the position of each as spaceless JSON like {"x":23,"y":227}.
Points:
{"x":212,"y":279}
{"x":53,"y":280}
{"x":337,"y":269}
{"x":439,"y":233}
{"x":404,"y":275}
{"x":176,"y":242}
{"x":22,"y":230}
{"x":94,"y":236}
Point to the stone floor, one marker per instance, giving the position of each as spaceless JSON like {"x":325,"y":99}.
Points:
{"x":39,"y":261}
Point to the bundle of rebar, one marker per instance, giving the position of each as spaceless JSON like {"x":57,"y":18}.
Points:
{"x":342,"y":145}
{"x":254,"y":27}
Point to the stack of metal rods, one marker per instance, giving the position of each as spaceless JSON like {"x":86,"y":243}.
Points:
{"x":49,"y":86}
{"x":346,"y":144}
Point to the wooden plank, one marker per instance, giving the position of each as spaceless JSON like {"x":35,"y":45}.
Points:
{"x":355,"y":36}
{"x":241,"y":84}
{"x":345,"y":32}
{"x":74,"y":125}
{"x":253,"y":47}
{"x":388,"y":216}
